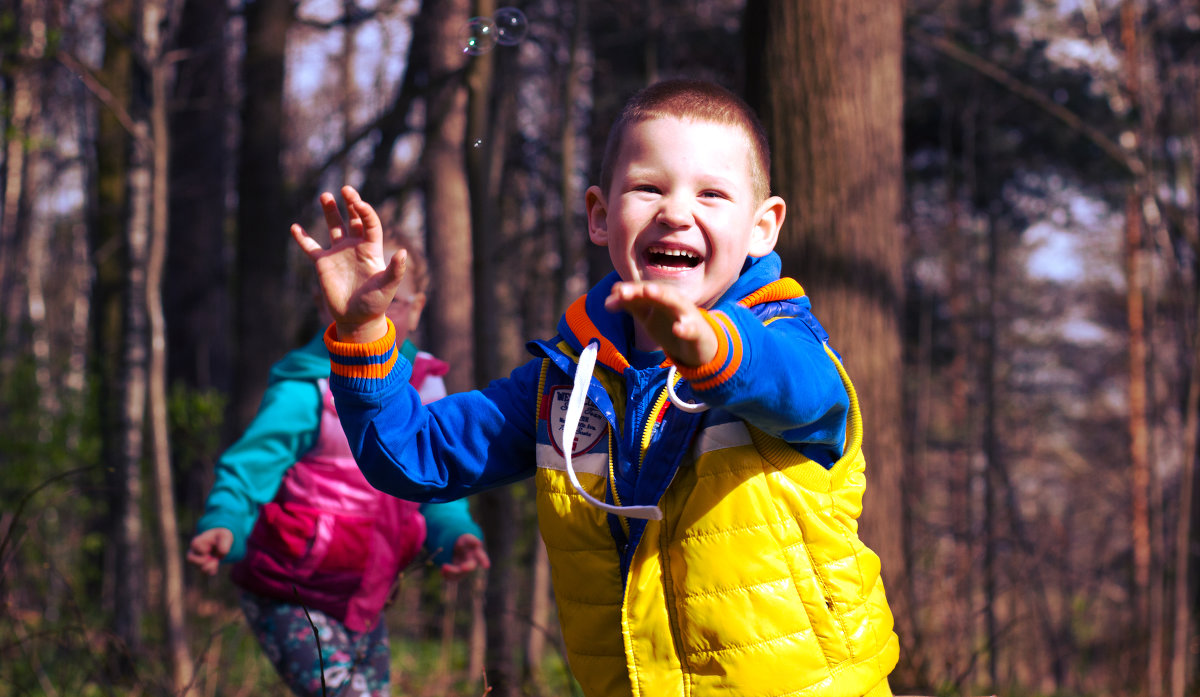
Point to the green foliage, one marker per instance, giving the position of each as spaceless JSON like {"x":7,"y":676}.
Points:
{"x":196,"y":420}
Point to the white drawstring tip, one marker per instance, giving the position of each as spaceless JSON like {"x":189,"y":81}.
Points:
{"x":583,"y":378}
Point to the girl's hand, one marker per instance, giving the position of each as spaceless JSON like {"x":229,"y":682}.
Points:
{"x":209,"y":548}
{"x":469,"y":555}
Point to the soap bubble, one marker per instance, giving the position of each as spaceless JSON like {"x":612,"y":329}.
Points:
{"x":479,"y":36}
{"x":477,"y":143}
{"x":511,"y":26}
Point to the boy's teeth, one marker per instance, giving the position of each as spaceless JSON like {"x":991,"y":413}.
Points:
{"x":672,"y":257}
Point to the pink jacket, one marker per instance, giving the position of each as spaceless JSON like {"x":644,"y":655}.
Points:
{"x":329,"y":540}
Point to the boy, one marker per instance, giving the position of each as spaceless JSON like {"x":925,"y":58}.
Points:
{"x":695,"y":549}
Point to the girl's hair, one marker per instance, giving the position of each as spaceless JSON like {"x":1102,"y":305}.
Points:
{"x":418,"y":266}
{"x":698,"y":100}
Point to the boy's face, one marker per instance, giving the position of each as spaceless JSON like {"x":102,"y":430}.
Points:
{"x":681,"y":208}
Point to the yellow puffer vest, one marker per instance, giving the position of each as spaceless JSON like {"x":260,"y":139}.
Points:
{"x":754,"y":583}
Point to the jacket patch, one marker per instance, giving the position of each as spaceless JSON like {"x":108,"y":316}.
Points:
{"x":592,"y":424}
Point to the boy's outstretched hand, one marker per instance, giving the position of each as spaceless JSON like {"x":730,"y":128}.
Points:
{"x":668,"y":319}
{"x":357,"y":281}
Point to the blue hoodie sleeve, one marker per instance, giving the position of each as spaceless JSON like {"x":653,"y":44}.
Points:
{"x":249,"y":473}
{"x":444,"y":524}
{"x":778,"y":377}
{"x":446,"y":450}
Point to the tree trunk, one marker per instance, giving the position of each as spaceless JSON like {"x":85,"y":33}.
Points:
{"x":477,"y":640}
{"x":826,"y":76}
{"x":107,"y":250}
{"x":123,"y":561}
{"x":35,"y":257}
{"x":1145,"y":624}
{"x":262,"y":228}
{"x":20,"y":95}
{"x":960,"y":268}
{"x":448,"y":202}
{"x":991,"y":454}
{"x":156,"y":28}
{"x":1138,"y":427}
{"x":1181,"y":602}
{"x":197,"y":298}
{"x":131,"y":564}
{"x":539,"y":619}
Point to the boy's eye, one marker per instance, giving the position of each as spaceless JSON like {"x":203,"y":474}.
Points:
{"x":712,"y":194}
{"x":647,"y":188}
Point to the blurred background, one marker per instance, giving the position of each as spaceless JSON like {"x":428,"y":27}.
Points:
{"x":991,"y":203}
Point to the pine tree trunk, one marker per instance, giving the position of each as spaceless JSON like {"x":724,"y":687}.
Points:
{"x":1146,"y":622}
{"x":1183,"y":610}
{"x":18,"y":104}
{"x":156,"y":23}
{"x":448,"y":202}
{"x":130,"y":590}
{"x":108,"y":292}
{"x":826,"y":77}
{"x":197,"y":298}
{"x":262,"y":238}
{"x":539,"y":618}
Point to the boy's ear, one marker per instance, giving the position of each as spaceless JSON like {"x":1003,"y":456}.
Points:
{"x":767,"y":222}
{"x":597,"y":215}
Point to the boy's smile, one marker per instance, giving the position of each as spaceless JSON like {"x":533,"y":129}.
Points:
{"x":681,"y":208}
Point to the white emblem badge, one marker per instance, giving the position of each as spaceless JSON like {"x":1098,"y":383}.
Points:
{"x":592,"y":424}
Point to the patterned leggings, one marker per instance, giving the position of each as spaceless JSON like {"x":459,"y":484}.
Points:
{"x":357,"y":664}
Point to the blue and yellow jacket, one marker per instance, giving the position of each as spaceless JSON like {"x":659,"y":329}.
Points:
{"x":732,"y":561}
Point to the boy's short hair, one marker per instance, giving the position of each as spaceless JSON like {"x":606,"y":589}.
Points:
{"x":692,"y":99}
{"x":417,"y":266}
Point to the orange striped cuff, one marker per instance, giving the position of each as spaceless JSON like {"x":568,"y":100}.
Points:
{"x":370,"y":361}
{"x":727,"y":359}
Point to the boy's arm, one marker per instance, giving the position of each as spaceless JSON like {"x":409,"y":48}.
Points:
{"x":449,"y":449}
{"x":777,"y":376}
{"x":248,"y":474}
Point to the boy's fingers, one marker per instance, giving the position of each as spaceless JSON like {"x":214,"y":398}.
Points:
{"x":333,"y":217}
{"x":372,"y":227}
{"x":308,"y":244}
{"x":397,"y":267}
{"x":352,"y":201}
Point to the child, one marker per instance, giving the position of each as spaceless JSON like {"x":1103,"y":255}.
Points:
{"x":307,"y":531}
{"x":702,"y":531}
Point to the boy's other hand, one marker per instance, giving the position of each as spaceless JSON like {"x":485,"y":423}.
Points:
{"x":357,"y":280}
{"x":668,"y":319}
{"x":469,"y":555}
{"x":209,"y":548}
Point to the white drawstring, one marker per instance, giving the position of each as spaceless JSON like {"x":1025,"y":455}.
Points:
{"x":689,"y":407}
{"x":583,"y":378}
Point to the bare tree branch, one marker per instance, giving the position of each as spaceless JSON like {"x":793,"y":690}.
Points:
{"x":952,"y":50}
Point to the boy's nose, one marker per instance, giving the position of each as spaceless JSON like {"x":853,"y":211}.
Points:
{"x":674,"y":213}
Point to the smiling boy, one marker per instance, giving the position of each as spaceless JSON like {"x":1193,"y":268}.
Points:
{"x":695,"y":443}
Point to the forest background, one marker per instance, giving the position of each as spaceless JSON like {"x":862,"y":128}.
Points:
{"x":992,"y":203}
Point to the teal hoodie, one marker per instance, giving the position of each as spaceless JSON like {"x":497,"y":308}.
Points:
{"x":249,"y":473}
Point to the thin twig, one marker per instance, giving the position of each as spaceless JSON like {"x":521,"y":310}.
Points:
{"x":16,"y":516}
{"x":317,"y":636}
{"x":950,"y":49}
